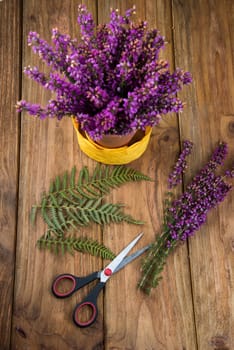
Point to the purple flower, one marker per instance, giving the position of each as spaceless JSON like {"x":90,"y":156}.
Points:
{"x":186,"y":214}
{"x":176,"y":175}
{"x":112,"y":81}
{"x":86,"y":23}
{"x":230,"y":172}
{"x":206,"y":191}
{"x":35,"y":74}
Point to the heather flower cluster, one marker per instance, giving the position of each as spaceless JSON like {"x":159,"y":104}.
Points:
{"x":176,"y":175}
{"x":185,"y":215}
{"x":112,"y":81}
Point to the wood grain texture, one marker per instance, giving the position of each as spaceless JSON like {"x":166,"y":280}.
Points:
{"x":9,"y":140}
{"x":164,"y":320}
{"x":47,"y":149}
{"x":193,"y":306}
{"x":204,"y":46}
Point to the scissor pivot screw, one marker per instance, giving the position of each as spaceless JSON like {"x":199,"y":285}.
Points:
{"x":108,"y":272}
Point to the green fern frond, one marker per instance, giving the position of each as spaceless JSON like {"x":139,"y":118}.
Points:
{"x":78,"y":201}
{"x":61,"y":218}
{"x":72,"y":178}
{"x":71,"y":244}
{"x":65,"y":192}
{"x":103,"y":179}
{"x":33,"y":213}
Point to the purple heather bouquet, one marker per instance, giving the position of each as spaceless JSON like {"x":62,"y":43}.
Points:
{"x":112,"y":81}
{"x":185,"y":215}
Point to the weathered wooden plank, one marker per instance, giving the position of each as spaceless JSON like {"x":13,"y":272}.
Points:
{"x":204,"y":45}
{"x":9,"y":152}
{"x":165,"y":319}
{"x":48,"y":148}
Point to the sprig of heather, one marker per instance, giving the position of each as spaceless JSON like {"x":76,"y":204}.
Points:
{"x":175,"y":176}
{"x":186,"y":215}
{"x":112,"y":81}
{"x":44,"y":50}
{"x":230,"y":172}
{"x":51,"y":110}
{"x":86,"y":23}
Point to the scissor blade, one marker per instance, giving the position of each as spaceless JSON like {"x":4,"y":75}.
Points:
{"x":129,"y":259}
{"x":112,"y":266}
{"x":132,"y":257}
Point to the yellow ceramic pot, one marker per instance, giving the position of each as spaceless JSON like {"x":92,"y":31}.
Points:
{"x":119,"y":155}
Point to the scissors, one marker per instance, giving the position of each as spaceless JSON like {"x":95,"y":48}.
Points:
{"x":120,"y":261}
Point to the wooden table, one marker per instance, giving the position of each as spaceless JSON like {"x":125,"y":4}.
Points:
{"x":193,"y":307}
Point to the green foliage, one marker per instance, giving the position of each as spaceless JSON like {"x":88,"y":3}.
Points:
{"x":154,"y":262}
{"x":167,"y":216}
{"x":71,"y":244}
{"x":67,"y":189}
{"x":74,"y":201}
{"x":66,"y":215}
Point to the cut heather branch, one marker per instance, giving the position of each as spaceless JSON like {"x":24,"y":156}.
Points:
{"x":185,"y":216}
{"x":176,"y":175}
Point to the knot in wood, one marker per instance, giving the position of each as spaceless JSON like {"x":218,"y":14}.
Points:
{"x":219,"y":342}
{"x":231,"y":127}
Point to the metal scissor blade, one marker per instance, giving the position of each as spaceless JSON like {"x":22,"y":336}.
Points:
{"x":132,"y":257}
{"x":112,"y":266}
{"x":129,"y":259}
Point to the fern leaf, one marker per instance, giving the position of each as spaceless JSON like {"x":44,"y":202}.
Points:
{"x":84,"y":217}
{"x":55,"y":219}
{"x":45,"y":215}
{"x":104,"y":178}
{"x":65,"y":196}
{"x":109,"y":212}
{"x":95,"y":217}
{"x":96,"y":172}
{"x":73,"y":225}
{"x":92,"y":211}
{"x":83,"y":176}
{"x":74,"y":194}
{"x":71,"y":244}
{"x":33,"y":213}
{"x":65,"y":176}
{"x":51,"y":190}
{"x":83,"y":192}
{"x":71,"y":203}
{"x":74,"y":218}
{"x":72,"y":178}
{"x":91,"y":192}
{"x":118,"y":176}
{"x":54,"y":200}
{"x":62,"y":219}
{"x":107,"y":171}
{"x":57,"y":183}
{"x":100,"y":188}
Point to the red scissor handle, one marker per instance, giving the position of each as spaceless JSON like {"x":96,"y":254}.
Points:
{"x":77,"y":283}
{"x":93,"y":316}
{"x":57,"y":283}
{"x":91,"y":302}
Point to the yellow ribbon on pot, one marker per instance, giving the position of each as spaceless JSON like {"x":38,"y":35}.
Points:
{"x":121,"y":155}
